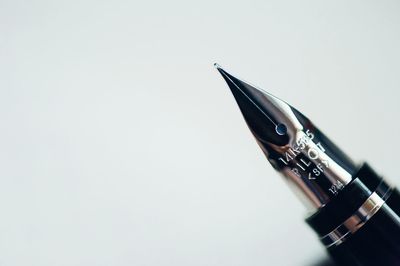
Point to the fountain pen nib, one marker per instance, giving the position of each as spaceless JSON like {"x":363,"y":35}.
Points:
{"x":271,"y":120}
{"x":312,"y":164}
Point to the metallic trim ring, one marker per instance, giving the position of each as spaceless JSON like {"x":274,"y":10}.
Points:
{"x":359,"y":218}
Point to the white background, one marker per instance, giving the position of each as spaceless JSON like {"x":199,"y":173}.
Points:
{"x":120,"y":144}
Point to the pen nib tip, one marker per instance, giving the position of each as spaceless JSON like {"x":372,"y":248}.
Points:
{"x":217,"y":66}
{"x":259,"y":109}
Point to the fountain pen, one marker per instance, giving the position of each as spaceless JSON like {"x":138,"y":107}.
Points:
{"x":353,"y":210}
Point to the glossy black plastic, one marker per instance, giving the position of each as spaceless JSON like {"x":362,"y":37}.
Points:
{"x":375,"y":243}
{"x":326,"y":219}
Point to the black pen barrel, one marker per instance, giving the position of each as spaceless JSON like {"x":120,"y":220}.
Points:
{"x":361,"y":226}
{"x":354,"y":211}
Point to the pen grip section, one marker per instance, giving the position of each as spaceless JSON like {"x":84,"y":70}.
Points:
{"x":377,"y":242}
{"x":362,"y":225}
{"x":346,"y":203}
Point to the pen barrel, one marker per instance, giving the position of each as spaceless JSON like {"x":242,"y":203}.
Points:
{"x":361,"y":226}
{"x":377,"y":242}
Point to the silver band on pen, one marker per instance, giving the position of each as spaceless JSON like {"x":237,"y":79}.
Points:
{"x":352,"y":224}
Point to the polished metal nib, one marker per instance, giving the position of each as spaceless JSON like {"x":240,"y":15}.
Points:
{"x":311,"y":163}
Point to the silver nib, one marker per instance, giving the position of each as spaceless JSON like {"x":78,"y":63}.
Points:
{"x":311,"y":163}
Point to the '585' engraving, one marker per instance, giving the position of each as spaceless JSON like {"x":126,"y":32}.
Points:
{"x":311,"y":165}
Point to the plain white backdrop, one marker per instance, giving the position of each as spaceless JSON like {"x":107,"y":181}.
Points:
{"x":120,"y":144}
